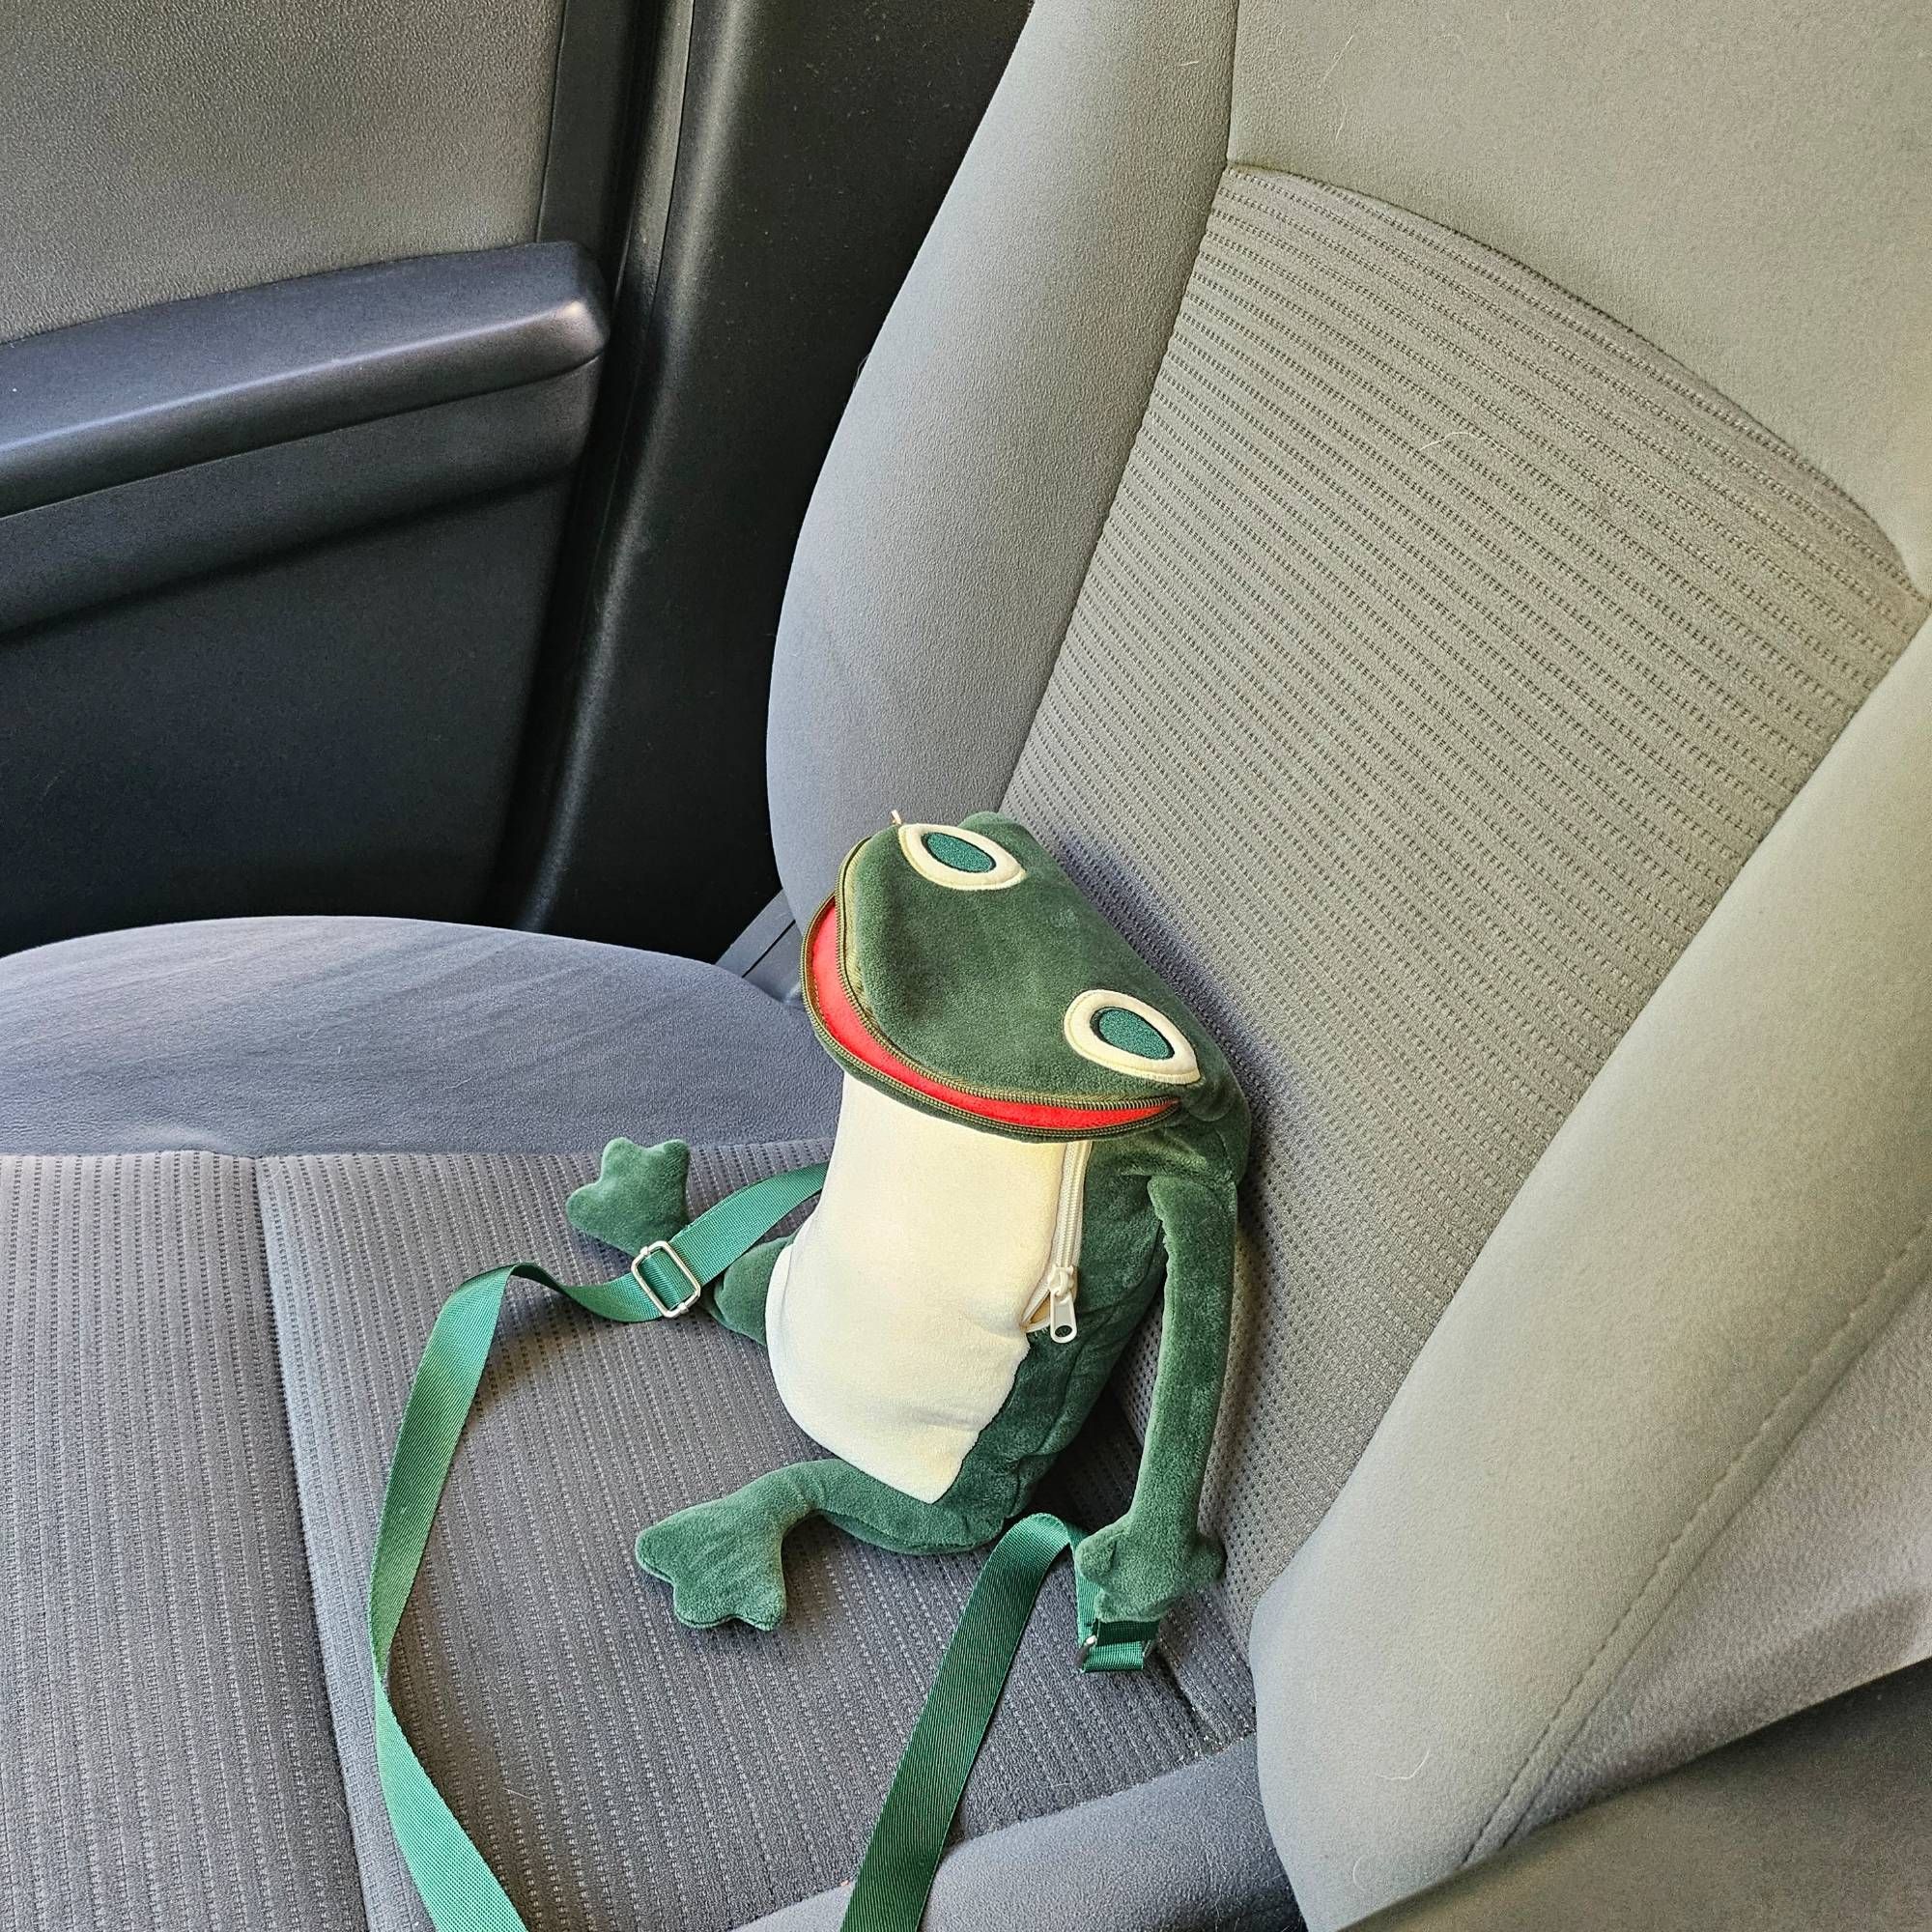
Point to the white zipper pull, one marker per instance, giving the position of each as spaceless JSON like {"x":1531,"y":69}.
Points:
{"x":1061,"y":1281}
{"x":1060,"y":1323}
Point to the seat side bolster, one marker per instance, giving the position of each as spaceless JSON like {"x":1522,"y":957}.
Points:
{"x":1734,"y":1212}
{"x":1832,"y":1803}
{"x":951,"y":525}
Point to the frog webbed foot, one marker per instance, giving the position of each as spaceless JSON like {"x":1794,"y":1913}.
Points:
{"x":636,"y":1198}
{"x":725,"y":1559}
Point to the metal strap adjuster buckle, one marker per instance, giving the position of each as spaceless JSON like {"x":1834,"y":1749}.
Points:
{"x":668,"y":1310}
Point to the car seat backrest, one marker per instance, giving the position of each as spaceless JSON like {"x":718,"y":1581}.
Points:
{"x":1404,"y":501}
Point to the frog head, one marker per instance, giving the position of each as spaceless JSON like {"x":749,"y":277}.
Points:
{"x":958,"y":969}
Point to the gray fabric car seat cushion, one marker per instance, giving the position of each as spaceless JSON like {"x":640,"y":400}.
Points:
{"x":1183,"y":1852}
{"x":166,"y":1756}
{"x":617,"y":1768}
{"x":185,"y":1681}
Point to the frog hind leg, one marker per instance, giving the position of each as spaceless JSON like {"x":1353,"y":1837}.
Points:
{"x":724,"y":1560}
{"x":739,"y":1298}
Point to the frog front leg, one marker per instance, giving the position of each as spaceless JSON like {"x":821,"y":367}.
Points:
{"x":639,"y":1197}
{"x":636,"y":1198}
{"x":1156,"y":1554}
{"x":725,"y":1559}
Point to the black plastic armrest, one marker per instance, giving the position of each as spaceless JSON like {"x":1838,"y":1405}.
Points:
{"x":161,"y":388}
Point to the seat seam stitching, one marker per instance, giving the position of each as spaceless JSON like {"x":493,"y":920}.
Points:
{"x":1624,"y":1669}
{"x":1186,"y":282}
{"x":1899,"y":1261}
{"x":263,"y":1210}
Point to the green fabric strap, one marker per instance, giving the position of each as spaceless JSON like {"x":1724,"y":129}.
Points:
{"x":896,"y":1873}
{"x":458,"y":1887}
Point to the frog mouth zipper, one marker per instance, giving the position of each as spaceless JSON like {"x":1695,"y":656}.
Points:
{"x":848,"y":1030}
{"x":1052,"y":1304}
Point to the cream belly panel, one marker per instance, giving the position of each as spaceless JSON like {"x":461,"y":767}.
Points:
{"x":897,"y":1317}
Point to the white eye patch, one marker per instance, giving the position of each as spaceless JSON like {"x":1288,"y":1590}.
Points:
{"x":959,"y":860}
{"x":1118,"y":1031}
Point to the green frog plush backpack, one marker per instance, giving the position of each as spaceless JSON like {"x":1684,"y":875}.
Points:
{"x":1034,"y":1133}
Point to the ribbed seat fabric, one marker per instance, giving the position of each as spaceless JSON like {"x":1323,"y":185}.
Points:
{"x":166,"y":1754}
{"x":173,"y":1321}
{"x":1506,"y":641}
{"x":617,"y":1768}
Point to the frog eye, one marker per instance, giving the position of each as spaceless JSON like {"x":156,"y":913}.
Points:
{"x":962,"y":861}
{"x":1119,"y":1030}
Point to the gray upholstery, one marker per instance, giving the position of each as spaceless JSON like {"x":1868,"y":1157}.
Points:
{"x":279,"y":1035}
{"x":165,"y":1751}
{"x":1824,"y":1575}
{"x":154,"y":151}
{"x":1824,"y":1818}
{"x":312,"y":1033}
{"x":1526,"y":1587}
{"x":1182,"y":1853}
{"x":1745,"y":186}
{"x":1500,"y":642}
{"x":951,"y":529}
{"x":163,"y":1585}
{"x":1448,"y":649}
{"x":1451,"y":676}
{"x":617,"y":1768}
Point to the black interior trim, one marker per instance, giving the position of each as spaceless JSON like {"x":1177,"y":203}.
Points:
{"x":136,"y":395}
{"x":767,"y":953}
{"x":87,"y":551}
{"x":268,"y":636}
{"x":812,"y":147}
{"x":1825,"y":1819}
{"x":584,"y":158}
{"x":328,"y":728}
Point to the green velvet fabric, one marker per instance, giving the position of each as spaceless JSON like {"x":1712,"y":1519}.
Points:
{"x":1156,"y":1553}
{"x":973,"y":988}
{"x":637,"y":1196}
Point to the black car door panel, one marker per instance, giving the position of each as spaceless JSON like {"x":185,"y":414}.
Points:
{"x":406,"y":415}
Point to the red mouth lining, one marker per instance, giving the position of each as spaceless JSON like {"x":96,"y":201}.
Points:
{"x":841,"y":1020}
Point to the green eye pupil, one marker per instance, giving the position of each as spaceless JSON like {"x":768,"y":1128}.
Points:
{"x":959,"y":855}
{"x":1128,"y":1030}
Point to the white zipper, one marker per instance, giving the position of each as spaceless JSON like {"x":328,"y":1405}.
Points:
{"x":1052,"y":1305}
